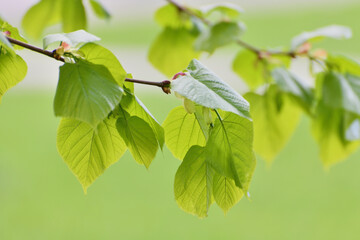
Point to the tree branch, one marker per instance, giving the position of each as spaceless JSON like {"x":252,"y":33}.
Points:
{"x":260,"y":52}
{"x":164,"y":85}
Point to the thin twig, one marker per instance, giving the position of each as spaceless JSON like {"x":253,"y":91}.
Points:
{"x":164,"y":85}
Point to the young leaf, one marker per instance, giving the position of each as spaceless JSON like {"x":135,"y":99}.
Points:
{"x":87,"y":151}
{"x":290,"y":83}
{"x":40,"y":16}
{"x":220,"y":34}
{"x":99,"y":9}
{"x":73,"y":15}
{"x":227,"y":10}
{"x":74,"y":39}
{"x":138,"y":136}
{"x":12,"y":70}
{"x":182,"y":131}
{"x":86,"y":92}
{"x":226,"y":193}
{"x":275,"y":120}
{"x":343,"y":64}
{"x":341,"y":91}
{"x":131,"y":104}
{"x":205,"y":88}
{"x":170,"y":16}
{"x":328,"y":131}
{"x":172,"y":51}
{"x":193,"y":183}
{"x":97,"y":54}
{"x":229,"y":149}
{"x":256,"y":72}
{"x":333,"y":31}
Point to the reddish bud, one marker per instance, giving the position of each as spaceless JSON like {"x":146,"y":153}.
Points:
{"x":7,"y":33}
{"x":65,"y":46}
{"x":304,"y":48}
{"x":178,"y":74}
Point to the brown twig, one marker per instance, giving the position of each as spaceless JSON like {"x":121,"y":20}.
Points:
{"x":164,"y":85}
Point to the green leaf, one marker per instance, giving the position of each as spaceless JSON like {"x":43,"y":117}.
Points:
{"x":328,"y":131}
{"x":343,"y":64}
{"x":226,"y":10}
{"x":86,"y":92}
{"x":290,"y":83}
{"x":97,"y":54}
{"x":40,"y":16}
{"x":99,"y":9}
{"x":341,"y":91}
{"x":193,"y":183}
{"x":170,"y":16}
{"x":333,"y":31}
{"x":172,"y":51}
{"x":73,"y":15}
{"x":12,"y":70}
{"x":226,"y":193}
{"x":205,"y":88}
{"x":74,"y":39}
{"x":182,"y":131}
{"x":87,"y":151}
{"x":138,"y":136}
{"x":135,"y":107}
{"x":275,"y":120}
{"x":256,"y":72}
{"x":220,"y":34}
{"x":14,"y":33}
{"x":229,"y":149}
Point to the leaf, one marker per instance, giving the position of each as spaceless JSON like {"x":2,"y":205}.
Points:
{"x":341,"y":91}
{"x":290,"y":83}
{"x":220,"y":34}
{"x":256,"y":72}
{"x":99,"y":9}
{"x":343,"y":64}
{"x":97,"y":54}
{"x":14,"y":33}
{"x":172,"y":51}
{"x":226,"y":193}
{"x":73,"y":15}
{"x":275,"y":120}
{"x":205,"y":88}
{"x":131,"y":104}
{"x":138,"y":136}
{"x":73,"y":39}
{"x":170,"y":16}
{"x":333,"y":31}
{"x":86,"y":92}
{"x":12,"y":70}
{"x":227,"y":10}
{"x":40,"y":16}
{"x":327,"y":129}
{"x":182,"y":131}
{"x":229,"y":149}
{"x":88,"y":152}
{"x":193,"y":183}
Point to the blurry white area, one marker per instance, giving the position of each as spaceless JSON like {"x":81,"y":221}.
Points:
{"x":43,"y":72}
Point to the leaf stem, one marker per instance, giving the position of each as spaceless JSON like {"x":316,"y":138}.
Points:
{"x":164,"y":85}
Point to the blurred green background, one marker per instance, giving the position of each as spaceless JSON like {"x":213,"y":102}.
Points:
{"x":294,"y":198}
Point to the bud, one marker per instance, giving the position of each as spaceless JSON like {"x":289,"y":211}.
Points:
{"x":7,"y":33}
{"x":304,"y":48}
{"x":178,"y":74}
{"x":320,"y":54}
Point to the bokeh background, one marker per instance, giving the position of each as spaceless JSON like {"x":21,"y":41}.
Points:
{"x":294,"y":198}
